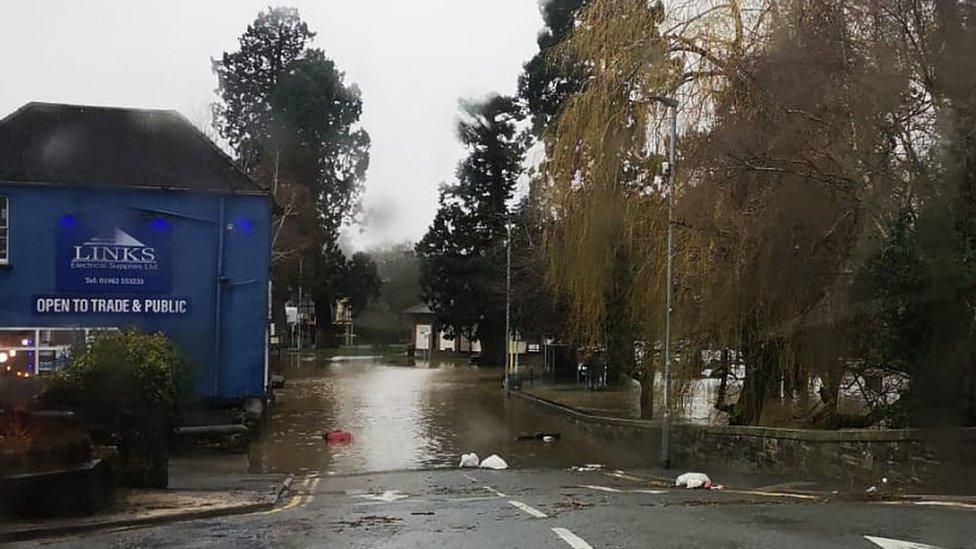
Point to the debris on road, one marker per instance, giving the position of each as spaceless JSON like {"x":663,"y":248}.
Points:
{"x":494,"y":462}
{"x":337,"y":436}
{"x":368,"y":520}
{"x":469,"y":460}
{"x":590,"y":467}
{"x":544,"y":437}
{"x":693,"y":480}
{"x":572,"y":503}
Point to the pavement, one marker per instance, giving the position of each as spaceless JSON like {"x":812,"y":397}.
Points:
{"x":200,"y":487}
{"x":617,"y":401}
{"x":559,"y":508}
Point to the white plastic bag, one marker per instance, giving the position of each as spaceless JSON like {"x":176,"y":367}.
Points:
{"x":469,"y":460}
{"x":693,"y":480}
{"x":494,"y":462}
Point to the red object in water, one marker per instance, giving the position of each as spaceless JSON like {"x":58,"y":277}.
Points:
{"x":338,"y":435}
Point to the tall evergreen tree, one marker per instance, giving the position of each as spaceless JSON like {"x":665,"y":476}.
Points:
{"x":293,"y":124}
{"x":543,"y":84}
{"x":248,"y":77}
{"x":462,"y":256}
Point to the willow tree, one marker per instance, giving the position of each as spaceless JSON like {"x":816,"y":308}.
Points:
{"x":922,"y":278}
{"x":599,"y":158}
{"x":787,"y":145}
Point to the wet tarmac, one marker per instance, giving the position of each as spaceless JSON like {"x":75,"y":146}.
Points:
{"x":413,"y":418}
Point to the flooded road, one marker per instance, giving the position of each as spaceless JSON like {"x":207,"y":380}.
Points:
{"x":413,"y":418}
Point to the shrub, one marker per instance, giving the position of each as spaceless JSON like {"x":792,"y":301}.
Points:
{"x":130,"y":388}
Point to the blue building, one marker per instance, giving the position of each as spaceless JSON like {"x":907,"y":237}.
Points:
{"x":113,"y":218}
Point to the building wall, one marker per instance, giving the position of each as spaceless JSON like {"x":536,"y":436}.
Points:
{"x":195,"y":221}
{"x":424,"y":324}
{"x":421,"y":336}
{"x":445,"y":343}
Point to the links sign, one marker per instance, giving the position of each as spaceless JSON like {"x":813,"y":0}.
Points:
{"x":118,"y":305}
{"x":113,"y":254}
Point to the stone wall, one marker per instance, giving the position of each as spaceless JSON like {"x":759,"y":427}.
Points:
{"x":856,"y":455}
{"x":945,"y":458}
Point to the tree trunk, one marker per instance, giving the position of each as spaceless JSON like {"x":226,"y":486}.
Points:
{"x":723,"y":386}
{"x":620,"y":333}
{"x":761,"y":379}
{"x":325,"y":331}
{"x":492,"y":341}
{"x":279,"y":295}
{"x":646,"y":393}
{"x":830,"y":393}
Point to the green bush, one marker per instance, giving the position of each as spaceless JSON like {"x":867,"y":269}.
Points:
{"x":130,"y":388}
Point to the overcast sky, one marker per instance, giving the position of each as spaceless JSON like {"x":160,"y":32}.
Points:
{"x":413,"y":60}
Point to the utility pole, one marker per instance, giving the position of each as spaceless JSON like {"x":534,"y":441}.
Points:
{"x":298,"y":309}
{"x":508,"y":306}
{"x":671,"y":169}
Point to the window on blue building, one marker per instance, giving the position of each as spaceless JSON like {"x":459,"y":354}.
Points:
{"x":4,"y":227}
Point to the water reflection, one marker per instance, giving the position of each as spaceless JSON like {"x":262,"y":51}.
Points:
{"x":412,"y":417}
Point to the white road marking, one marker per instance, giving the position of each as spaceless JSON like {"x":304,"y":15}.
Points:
{"x":624,"y":476}
{"x":530,"y":510}
{"x":496,"y":492}
{"x":888,"y":543}
{"x":600,"y":488}
{"x":572,"y":539}
{"x":386,"y":497}
{"x":772,"y":494}
{"x":469,"y":477}
{"x":956,"y":504}
{"x":618,"y":491}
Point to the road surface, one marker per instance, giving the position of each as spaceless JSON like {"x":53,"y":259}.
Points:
{"x":414,"y":423}
{"x":552,"y":508}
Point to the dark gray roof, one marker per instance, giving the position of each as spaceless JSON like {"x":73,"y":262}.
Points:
{"x":76,"y":145}
{"x":418,"y":309}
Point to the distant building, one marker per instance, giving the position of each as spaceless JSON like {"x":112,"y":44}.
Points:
{"x":114,"y":218}
{"x":426,"y":335}
{"x":302,"y":322}
{"x":343,"y":321}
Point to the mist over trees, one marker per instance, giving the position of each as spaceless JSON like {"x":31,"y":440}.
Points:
{"x":826,"y":184}
{"x":293,"y":124}
{"x":382,"y":321}
{"x":400,"y":272}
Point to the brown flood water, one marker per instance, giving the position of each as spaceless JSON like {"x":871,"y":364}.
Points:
{"x":414,"y":418}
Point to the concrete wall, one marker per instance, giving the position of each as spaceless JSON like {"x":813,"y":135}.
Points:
{"x":946,"y":457}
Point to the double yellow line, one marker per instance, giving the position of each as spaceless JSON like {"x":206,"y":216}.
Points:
{"x":305,"y":496}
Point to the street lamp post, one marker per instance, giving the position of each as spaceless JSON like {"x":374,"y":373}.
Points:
{"x":671,"y":169}
{"x":508,"y":305}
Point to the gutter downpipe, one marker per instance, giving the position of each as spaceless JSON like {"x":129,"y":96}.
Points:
{"x":218,"y":298}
